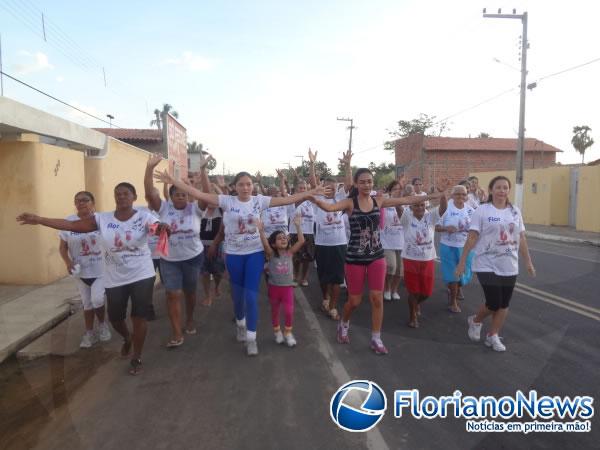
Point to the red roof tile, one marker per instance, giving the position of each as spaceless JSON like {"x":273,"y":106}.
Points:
{"x":133,"y":134}
{"x":485,"y":144}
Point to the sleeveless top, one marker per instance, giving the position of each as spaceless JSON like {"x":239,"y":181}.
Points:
{"x":364,"y":246}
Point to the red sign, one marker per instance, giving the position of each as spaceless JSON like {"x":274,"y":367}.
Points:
{"x":177,"y":146}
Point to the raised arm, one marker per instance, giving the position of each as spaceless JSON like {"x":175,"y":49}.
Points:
{"x":282,"y":188}
{"x":211,"y":199}
{"x":86,"y":225}
{"x":204,"y":181}
{"x":411,"y":200}
{"x":312,"y":176}
{"x":263,"y":239}
{"x":332,"y":207}
{"x":346,"y":159}
{"x":298,"y":197}
{"x":298,"y":245}
{"x":152,"y":195}
{"x":261,"y":188}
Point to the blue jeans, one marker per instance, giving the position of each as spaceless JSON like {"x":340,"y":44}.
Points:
{"x":244,"y":273}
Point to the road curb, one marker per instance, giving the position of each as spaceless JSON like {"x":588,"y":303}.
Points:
{"x":568,"y":239}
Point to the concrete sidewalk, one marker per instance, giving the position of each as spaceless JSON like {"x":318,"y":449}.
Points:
{"x":562,"y":234}
{"x":28,"y":312}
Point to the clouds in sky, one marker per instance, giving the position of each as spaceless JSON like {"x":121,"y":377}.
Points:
{"x":191,"y":62}
{"x":34,"y":62}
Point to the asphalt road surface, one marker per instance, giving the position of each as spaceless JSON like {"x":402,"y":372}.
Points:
{"x":209,"y":394}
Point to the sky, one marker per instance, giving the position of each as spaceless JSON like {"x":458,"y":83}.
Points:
{"x":259,"y":82}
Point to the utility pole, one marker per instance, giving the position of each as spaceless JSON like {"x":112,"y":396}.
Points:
{"x":521,"y":139}
{"x":110,"y":119}
{"x":1,"y":73}
{"x":300,"y":156}
{"x":351,"y":127}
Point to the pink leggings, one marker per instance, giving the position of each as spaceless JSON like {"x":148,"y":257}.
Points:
{"x":277,"y":296}
{"x":374,"y":272}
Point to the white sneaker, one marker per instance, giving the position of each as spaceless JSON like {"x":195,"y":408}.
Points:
{"x":251,"y":348}
{"x":387,"y":296}
{"x":240,"y":333}
{"x":88,"y":339}
{"x":289,"y":340}
{"x":474,"y":329}
{"x":104,"y":332}
{"x":279,"y":337}
{"x":395,"y":296}
{"x":494,"y":342}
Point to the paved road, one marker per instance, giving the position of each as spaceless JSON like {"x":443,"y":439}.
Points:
{"x":207,"y":394}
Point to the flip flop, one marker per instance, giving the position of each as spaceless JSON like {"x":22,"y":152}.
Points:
{"x":135,"y":367}
{"x":192,"y":331}
{"x":175,"y":343}
{"x":454,"y":310}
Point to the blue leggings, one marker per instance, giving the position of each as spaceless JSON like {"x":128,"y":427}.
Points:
{"x":244,"y":273}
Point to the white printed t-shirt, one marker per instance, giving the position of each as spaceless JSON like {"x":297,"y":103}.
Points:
{"x":331,"y":229}
{"x":152,"y":240}
{"x":275,"y":219}
{"x":127,"y":256}
{"x":239,"y":219}
{"x":497,"y":249}
{"x":84,"y":249}
{"x":307,"y":212}
{"x":473,"y":200}
{"x":392,"y":237}
{"x":184,"y":242}
{"x":459,"y":219}
{"x":418,"y":234}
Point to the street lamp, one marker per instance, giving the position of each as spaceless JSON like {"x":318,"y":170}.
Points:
{"x":110,"y":119}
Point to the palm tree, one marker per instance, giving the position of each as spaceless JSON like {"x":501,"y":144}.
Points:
{"x":581,"y":141}
{"x":194,"y":147}
{"x":159,"y":114}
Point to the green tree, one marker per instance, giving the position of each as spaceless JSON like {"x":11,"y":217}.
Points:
{"x":581,"y":140}
{"x":160,"y":115}
{"x":484,"y":135}
{"x":321,"y":169}
{"x":424,"y":124}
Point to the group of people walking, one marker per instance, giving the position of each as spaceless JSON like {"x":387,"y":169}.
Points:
{"x":353,"y":234}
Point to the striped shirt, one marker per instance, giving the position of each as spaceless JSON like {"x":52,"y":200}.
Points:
{"x":365,"y":245}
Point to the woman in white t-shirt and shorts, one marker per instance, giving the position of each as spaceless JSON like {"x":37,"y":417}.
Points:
{"x":82,"y":255}
{"x":129,"y":272}
{"x":496,"y":236}
{"x":392,"y":240}
{"x":243,"y":247}
{"x":180,"y":269}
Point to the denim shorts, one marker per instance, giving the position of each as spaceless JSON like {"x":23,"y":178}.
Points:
{"x":178,"y":275}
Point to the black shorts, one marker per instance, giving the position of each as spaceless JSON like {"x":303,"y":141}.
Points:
{"x":330,"y":263}
{"x":307,"y":251}
{"x":497,"y":289}
{"x":140,"y":293}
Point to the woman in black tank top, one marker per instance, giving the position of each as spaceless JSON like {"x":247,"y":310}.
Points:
{"x":364,"y":257}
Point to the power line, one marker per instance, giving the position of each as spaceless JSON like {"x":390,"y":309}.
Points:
{"x":560,"y":72}
{"x":57,"y":99}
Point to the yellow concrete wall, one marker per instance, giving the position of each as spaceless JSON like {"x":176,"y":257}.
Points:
{"x":42,"y":179}
{"x":588,"y":195}
{"x":549,"y":205}
{"x":123,"y":162}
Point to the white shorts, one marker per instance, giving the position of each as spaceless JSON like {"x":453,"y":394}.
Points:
{"x":92,"y":297}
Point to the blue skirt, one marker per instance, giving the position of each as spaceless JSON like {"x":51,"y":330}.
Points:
{"x":449,"y":257}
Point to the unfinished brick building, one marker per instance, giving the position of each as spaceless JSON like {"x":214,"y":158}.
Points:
{"x":432,"y":157}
